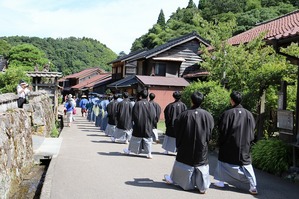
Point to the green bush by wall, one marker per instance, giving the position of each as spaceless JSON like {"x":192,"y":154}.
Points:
{"x":271,"y":155}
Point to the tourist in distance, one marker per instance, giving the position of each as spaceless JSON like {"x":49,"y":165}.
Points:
{"x":22,"y":92}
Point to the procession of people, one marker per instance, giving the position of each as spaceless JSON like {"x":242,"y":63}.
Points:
{"x":187,"y":136}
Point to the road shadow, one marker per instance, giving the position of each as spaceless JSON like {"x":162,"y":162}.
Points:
{"x":110,"y":153}
{"x":143,"y":156}
{"x":95,"y":135}
{"x":91,"y":130}
{"x":147,"y":182}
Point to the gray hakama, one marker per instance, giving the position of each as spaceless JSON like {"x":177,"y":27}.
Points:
{"x":238,"y":176}
{"x":138,"y":145}
{"x":122,"y":134}
{"x":189,"y":177}
{"x":110,"y":129}
{"x":104,"y":121}
{"x":169,"y":144}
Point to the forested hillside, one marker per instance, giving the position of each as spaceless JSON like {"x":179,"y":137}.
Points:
{"x":214,"y":20}
{"x":68,"y":55}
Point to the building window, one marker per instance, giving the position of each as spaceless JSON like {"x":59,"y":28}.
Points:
{"x":119,"y":69}
{"x":160,"y":69}
{"x":113,"y":70}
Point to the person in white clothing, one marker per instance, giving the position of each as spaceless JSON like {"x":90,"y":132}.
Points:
{"x":22,"y":91}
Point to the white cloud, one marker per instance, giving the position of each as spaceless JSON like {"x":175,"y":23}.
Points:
{"x":115,"y":23}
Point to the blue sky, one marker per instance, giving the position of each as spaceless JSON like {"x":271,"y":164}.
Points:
{"x":115,"y":23}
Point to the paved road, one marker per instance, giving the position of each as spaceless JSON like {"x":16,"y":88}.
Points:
{"x":90,"y":166}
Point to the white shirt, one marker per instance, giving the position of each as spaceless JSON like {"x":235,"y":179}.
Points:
{"x":22,"y":92}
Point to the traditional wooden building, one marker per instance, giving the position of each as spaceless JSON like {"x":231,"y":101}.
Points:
{"x":77,"y":83}
{"x":162,"y":70}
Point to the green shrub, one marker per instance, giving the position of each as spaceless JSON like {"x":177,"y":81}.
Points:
{"x":271,"y":155}
{"x":55,"y":132}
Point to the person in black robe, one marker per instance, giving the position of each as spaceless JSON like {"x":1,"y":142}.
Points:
{"x":171,"y":112}
{"x":193,"y":129}
{"x":236,"y":132}
{"x":158,"y":113}
{"x":123,"y":131}
{"x":111,"y":115}
{"x":143,"y":117}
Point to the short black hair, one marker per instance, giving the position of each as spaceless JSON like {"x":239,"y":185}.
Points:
{"x":197,"y":98}
{"x":152,"y":96}
{"x":176,"y":95}
{"x":143,"y":94}
{"x":236,"y":96}
{"x":125,"y":95}
{"x":115,"y":96}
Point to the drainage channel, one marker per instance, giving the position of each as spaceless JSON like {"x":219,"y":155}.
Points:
{"x":32,"y":184}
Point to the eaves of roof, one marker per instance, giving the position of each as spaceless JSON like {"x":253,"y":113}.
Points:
{"x":129,"y":56}
{"x":84,"y":73}
{"x":44,"y":74}
{"x":91,"y":80}
{"x":170,"y":44}
{"x":125,"y":82}
{"x":275,"y":29}
{"x":162,"y":81}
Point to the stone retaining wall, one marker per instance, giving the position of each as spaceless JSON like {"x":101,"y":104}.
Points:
{"x":16,"y":129}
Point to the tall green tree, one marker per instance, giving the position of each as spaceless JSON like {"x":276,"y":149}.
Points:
{"x":10,"y":79}
{"x":191,"y":4}
{"x":26,"y":56}
{"x":4,"y":48}
{"x":161,"y":19}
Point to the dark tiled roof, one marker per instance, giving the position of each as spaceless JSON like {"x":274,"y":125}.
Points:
{"x":174,"y":42}
{"x":129,"y":56}
{"x":125,"y":82}
{"x":44,"y":74}
{"x":170,"y":44}
{"x":162,"y":81}
{"x":278,"y":28}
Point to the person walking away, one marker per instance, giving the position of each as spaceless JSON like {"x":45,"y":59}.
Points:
{"x":157,"y":107}
{"x":236,"y":132}
{"x":82,"y":104}
{"x":69,"y":106}
{"x":171,"y":112}
{"x":123,"y":130}
{"x":104,"y":104}
{"x":111,"y":114}
{"x":143,"y":116}
{"x":22,"y":91}
{"x":74,"y":103}
{"x":193,"y":130}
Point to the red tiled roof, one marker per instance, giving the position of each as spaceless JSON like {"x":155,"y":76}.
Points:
{"x":162,"y":81}
{"x":98,"y":81}
{"x":83,"y":73}
{"x":281,"y":27}
{"x":91,"y":80}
